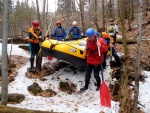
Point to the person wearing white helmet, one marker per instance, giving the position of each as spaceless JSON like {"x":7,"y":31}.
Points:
{"x":75,"y":30}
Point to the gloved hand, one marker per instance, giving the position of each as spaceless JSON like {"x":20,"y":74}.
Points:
{"x":111,"y":45}
{"x":98,"y":44}
{"x":40,"y":38}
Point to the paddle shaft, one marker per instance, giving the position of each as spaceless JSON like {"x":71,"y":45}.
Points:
{"x":100,"y":62}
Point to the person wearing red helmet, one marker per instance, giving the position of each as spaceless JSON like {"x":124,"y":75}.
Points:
{"x":94,"y":61}
{"x":34,"y":38}
{"x":59,"y":32}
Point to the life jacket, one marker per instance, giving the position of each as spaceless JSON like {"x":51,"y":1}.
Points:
{"x":75,"y":31}
{"x":111,"y":30}
{"x":92,"y":56}
{"x":59,"y":32}
{"x":34,"y":35}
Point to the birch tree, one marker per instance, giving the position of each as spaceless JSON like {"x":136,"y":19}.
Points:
{"x":103,"y":10}
{"x":4,"y":90}
{"x":136,"y":89}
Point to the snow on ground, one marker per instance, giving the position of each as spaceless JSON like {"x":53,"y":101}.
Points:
{"x":87,"y":102}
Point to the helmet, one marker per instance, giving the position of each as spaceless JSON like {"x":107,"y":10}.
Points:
{"x":90,"y":32}
{"x":105,"y":35}
{"x":35,"y":23}
{"x":111,"y":20}
{"x":74,"y":23}
{"x":58,"y":22}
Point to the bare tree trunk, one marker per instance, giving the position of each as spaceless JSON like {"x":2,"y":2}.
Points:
{"x":38,"y":12}
{"x":43,"y":19}
{"x":136,"y":89}
{"x":118,"y":9}
{"x":40,"y":54}
{"x":81,"y":6}
{"x":95,"y":13}
{"x":47,"y":15}
{"x":146,"y":8}
{"x":110,"y":9}
{"x":4,"y":90}
{"x":103,"y":8}
{"x":124,"y":92}
{"x":132,"y":10}
{"x":129,"y":16}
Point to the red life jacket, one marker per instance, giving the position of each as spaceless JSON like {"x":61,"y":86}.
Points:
{"x":93,"y":57}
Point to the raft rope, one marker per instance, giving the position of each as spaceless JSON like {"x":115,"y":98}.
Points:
{"x":53,"y":45}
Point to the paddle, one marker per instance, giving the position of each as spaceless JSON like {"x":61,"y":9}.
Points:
{"x":104,"y":90}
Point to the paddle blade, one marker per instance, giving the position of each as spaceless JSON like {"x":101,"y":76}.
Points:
{"x":105,"y":95}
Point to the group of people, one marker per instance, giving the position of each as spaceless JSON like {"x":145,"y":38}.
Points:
{"x":60,"y":32}
{"x":97,"y":46}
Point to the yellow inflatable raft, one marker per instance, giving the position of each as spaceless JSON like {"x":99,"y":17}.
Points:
{"x":70,"y":51}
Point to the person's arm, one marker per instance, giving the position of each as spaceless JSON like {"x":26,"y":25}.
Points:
{"x":64,"y":33}
{"x":79,"y":32}
{"x":54,"y":34}
{"x":70,"y":30}
{"x":116,"y":29}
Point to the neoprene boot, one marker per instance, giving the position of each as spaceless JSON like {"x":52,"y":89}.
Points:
{"x":98,"y":84}
{"x":32,"y":64}
{"x":121,"y":67}
{"x":86,"y":86}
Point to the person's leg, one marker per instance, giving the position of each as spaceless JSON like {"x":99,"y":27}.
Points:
{"x":31,"y":47}
{"x":114,"y":54}
{"x":37,"y":48}
{"x":89,"y":69}
{"x":104,"y":62}
{"x":114,"y":39}
{"x":97,"y":77}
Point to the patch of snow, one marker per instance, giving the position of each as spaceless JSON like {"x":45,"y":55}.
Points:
{"x":87,"y":102}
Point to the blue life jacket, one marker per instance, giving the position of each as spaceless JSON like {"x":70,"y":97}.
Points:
{"x":76,"y":32}
{"x":59,"y":33}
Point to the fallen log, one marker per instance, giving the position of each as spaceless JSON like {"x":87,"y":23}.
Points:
{"x":129,"y":41}
{"x":7,"y":109}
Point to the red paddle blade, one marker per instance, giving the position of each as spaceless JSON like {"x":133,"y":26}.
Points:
{"x":105,"y":95}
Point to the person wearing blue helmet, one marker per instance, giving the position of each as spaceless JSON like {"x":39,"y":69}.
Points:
{"x":92,"y":57}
